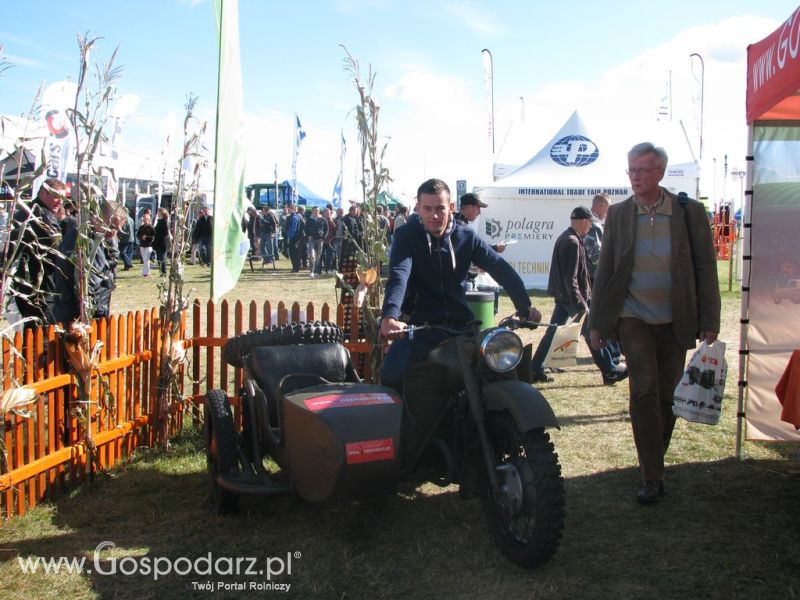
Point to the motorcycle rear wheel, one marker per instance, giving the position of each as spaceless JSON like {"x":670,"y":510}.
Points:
{"x":527,"y":518}
{"x":222,"y":456}
{"x":315,"y":332}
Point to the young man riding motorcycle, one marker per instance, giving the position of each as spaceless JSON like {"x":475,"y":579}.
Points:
{"x":429,"y":262}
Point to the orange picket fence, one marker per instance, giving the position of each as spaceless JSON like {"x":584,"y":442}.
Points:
{"x":43,"y":447}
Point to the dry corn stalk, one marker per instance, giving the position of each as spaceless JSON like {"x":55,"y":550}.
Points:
{"x":14,"y":399}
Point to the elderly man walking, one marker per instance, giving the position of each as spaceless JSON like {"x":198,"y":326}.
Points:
{"x":655,"y":290}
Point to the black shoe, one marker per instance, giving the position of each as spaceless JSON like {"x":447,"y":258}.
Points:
{"x":617,"y":375}
{"x":541,"y":378}
{"x":650,"y":492}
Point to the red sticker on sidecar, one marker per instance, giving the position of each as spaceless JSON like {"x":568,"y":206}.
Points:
{"x":369,"y":451}
{"x":349,"y":400}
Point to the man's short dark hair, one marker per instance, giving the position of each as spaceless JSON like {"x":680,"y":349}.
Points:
{"x":433,"y":186}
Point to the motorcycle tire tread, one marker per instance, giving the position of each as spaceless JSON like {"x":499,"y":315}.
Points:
{"x":312,"y":332}
{"x":550,"y":507}
{"x":219,"y":424}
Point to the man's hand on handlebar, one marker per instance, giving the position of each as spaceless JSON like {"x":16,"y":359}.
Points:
{"x":392,"y":328}
{"x":534,"y":315}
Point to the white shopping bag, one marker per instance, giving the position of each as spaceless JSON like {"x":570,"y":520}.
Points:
{"x":563,"y":350}
{"x":698,"y":395}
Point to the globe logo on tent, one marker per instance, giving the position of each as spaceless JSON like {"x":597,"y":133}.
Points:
{"x":574,"y":151}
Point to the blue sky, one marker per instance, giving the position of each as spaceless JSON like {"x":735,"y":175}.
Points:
{"x":610,"y":60}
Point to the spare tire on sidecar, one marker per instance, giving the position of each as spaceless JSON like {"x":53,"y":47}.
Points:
{"x":303,"y":406}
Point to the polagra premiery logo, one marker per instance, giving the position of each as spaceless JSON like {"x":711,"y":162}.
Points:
{"x":574,"y":151}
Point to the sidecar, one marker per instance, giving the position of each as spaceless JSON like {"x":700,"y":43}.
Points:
{"x":309,"y":425}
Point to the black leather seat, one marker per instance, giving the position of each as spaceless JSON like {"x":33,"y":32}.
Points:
{"x":268,"y":365}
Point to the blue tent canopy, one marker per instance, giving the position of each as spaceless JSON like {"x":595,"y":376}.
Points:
{"x":306,"y":196}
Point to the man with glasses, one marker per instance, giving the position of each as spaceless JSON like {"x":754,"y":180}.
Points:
{"x":655,"y":290}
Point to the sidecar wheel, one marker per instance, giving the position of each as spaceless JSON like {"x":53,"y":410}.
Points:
{"x":222,"y":456}
{"x":315,"y":332}
{"x":527,"y":515}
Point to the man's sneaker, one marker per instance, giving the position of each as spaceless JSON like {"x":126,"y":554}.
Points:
{"x":617,"y":375}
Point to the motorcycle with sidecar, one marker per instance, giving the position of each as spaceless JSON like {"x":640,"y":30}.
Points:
{"x":312,"y":427}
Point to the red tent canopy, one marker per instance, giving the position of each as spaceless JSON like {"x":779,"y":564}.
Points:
{"x":773,"y":74}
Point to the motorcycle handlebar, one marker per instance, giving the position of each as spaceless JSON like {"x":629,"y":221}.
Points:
{"x":511,"y":322}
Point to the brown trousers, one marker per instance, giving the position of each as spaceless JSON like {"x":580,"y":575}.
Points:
{"x":655,"y":365}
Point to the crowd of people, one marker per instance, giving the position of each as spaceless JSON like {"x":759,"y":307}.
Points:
{"x":313,"y":240}
{"x":641,"y":274}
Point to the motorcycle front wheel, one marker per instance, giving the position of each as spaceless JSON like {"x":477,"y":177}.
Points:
{"x":526,"y":512}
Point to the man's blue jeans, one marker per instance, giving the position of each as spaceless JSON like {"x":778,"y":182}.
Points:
{"x":266,"y":247}
{"x":602,"y":358}
{"x":205,"y":250}
{"x":404,"y":351}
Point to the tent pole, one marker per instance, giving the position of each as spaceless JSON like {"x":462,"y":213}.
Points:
{"x":744,"y":355}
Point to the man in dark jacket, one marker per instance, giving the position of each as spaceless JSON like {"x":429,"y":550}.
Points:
{"x":569,"y":285}
{"x":252,"y":226}
{"x":470,"y":210}
{"x":126,"y":237}
{"x":268,"y":229}
{"x":316,"y":230}
{"x":429,"y":260}
{"x":353,"y":236}
{"x":40,"y":288}
{"x":295,"y":234}
{"x":204,"y":229}
{"x":44,"y":285}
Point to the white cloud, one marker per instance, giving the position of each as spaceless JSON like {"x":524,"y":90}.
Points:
{"x":17,"y":60}
{"x":19,"y":41}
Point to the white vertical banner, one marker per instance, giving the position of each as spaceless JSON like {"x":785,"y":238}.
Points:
{"x":664,"y":110}
{"x":299,"y":135}
{"x":58,"y":152}
{"x":229,"y":243}
{"x":337,"y":187}
{"x":488,"y":82}
{"x":123,"y":108}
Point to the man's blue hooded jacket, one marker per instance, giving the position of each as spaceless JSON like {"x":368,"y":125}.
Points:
{"x":433,"y":272}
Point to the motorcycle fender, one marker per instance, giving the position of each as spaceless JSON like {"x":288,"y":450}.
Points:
{"x":527,"y":406}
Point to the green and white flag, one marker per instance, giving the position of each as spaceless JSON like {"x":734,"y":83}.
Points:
{"x":230,"y":242}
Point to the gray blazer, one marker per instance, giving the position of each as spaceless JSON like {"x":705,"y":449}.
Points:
{"x":693,"y":265}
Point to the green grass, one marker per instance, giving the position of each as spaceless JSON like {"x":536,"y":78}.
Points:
{"x":726,"y":529}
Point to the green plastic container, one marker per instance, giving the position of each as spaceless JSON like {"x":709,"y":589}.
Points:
{"x":482,"y":306}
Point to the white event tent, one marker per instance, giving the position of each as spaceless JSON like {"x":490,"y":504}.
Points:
{"x":531,"y":205}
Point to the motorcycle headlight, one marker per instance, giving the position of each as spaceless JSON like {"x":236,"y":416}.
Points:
{"x":501,"y":349}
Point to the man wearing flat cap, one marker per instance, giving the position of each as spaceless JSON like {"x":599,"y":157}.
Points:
{"x":569,"y":285}
{"x":469,"y":210}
